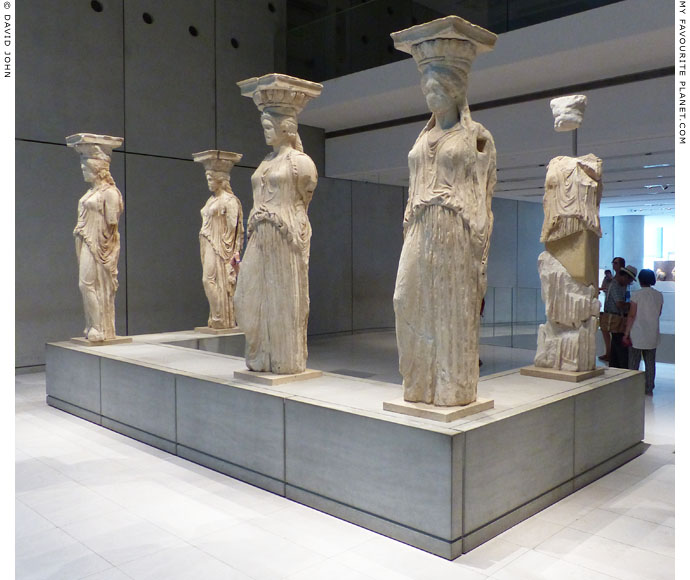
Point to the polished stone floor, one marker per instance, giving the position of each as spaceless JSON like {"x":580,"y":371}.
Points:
{"x":91,"y":503}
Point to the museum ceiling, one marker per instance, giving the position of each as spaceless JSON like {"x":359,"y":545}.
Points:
{"x":621,"y":56}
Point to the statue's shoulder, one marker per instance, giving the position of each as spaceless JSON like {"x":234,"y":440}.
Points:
{"x":303,"y":162}
{"x":481,"y":130}
{"x":111,"y":192}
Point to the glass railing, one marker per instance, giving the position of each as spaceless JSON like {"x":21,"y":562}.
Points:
{"x":512,"y":317}
{"x":328,"y":41}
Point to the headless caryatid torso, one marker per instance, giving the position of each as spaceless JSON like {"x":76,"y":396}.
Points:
{"x":569,"y":267}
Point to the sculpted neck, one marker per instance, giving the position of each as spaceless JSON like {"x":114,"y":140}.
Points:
{"x":281,"y":148}
{"x":447,"y":119}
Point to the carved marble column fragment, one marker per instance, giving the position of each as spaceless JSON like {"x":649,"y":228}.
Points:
{"x":568,"y":269}
{"x":220,"y":238}
{"x":96,"y":235}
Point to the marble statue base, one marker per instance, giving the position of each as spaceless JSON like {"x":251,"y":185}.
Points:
{"x":216,"y":331}
{"x":327,"y":443}
{"x":443,"y":414}
{"x":274,"y":379}
{"x":116,"y":340}
{"x":558,"y":375}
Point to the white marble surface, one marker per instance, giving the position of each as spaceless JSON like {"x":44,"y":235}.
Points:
{"x":568,"y":112}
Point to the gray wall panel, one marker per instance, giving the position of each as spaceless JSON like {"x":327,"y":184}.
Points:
{"x":529,"y":223}
{"x":606,"y":243}
{"x":48,"y":304}
{"x":628,"y":240}
{"x":377,"y":214}
{"x":169,"y":77}
{"x":314,"y":143}
{"x":69,"y":69}
{"x":603,"y":425}
{"x":239,"y":426}
{"x":548,"y":434}
{"x":256,"y":32}
{"x":330,"y":263}
{"x":165,"y":289}
{"x":330,"y":453}
{"x":139,"y":397}
{"x":501,"y":270}
{"x":74,"y":377}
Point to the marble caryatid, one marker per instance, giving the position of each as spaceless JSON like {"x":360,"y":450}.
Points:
{"x":447,"y":225}
{"x":220,"y":238}
{"x":272,"y":299}
{"x":568,"y":268}
{"x":96,"y":234}
{"x":568,"y":112}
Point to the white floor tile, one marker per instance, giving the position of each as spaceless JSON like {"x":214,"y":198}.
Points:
{"x":55,"y":555}
{"x":386,"y":559}
{"x":258,"y":553}
{"x":632,"y":531}
{"x":186,"y":563}
{"x":608,"y":556}
{"x":490,"y":557}
{"x":330,"y":570}
{"x":121,"y":537}
{"x":27,"y":521}
{"x":67,"y":502}
{"x":538,"y":566}
{"x":316,"y":531}
{"x":110,"y":574}
{"x":531,"y":532}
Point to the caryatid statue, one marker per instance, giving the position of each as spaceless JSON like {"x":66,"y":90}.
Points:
{"x":448,"y":220}
{"x":96,"y":234}
{"x":568,"y":268}
{"x":272,"y":298}
{"x":220,"y":238}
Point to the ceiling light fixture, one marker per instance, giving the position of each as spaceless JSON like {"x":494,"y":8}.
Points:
{"x":656,"y":165}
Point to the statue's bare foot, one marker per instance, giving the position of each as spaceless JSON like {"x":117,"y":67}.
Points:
{"x":94,"y":334}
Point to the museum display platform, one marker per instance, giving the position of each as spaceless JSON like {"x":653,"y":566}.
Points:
{"x":327,"y":442}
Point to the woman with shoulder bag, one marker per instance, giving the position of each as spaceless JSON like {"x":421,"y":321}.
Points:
{"x":615,"y":309}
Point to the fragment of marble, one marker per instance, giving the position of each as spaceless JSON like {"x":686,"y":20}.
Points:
{"x":221,"y":237}
{"x":572,"y":194}
{"x":272,"y":297}
{"x":568,"y":112}
{"x":567,"y":301}
{"x":96,"y":236}
{"x":567,"y":340}
{"x":441,"y":278}
{"x":567,"y":349}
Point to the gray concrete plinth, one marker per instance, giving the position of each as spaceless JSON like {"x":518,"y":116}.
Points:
{"x":444,"y":487}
